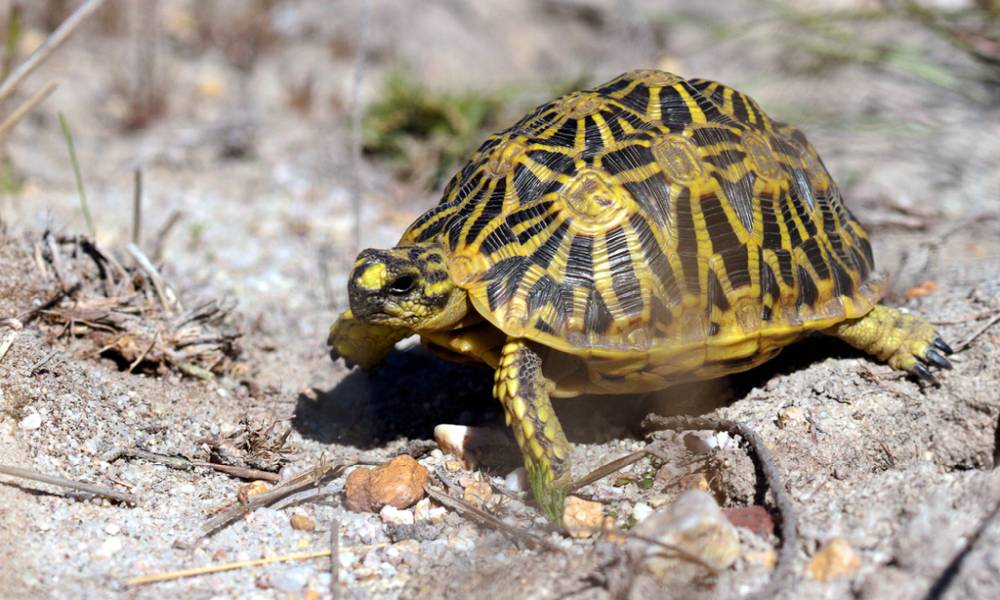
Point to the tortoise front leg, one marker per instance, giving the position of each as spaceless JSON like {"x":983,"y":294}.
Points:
{"x":905,"y":342}
{"x":524,"y":393}
{"x":360,"y":343}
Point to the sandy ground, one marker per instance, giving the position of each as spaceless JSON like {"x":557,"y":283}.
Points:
{"x":903,"y":472}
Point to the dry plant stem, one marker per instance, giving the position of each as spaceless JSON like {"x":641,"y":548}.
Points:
{"x":962,"y":345}
{"x":30,"y":315}
{"x":39,"y":56}
{"x":183,"y":464}
{"x":607,"y":469}
{"x":79,"y":486}
{"x":145,"y":353}
{"x":767,"y":468}
{"x":147,"y":579}
{"x":241,"y":472}
{"x":973,"y":317}
{"x":154,"y":275}
{"x":41,"y":363}
{"x":314,"y":476}
{"x":481,"y":517}
{"x":137,"y":206}
{"x":161,"y":236}
{"x":25,"y":108}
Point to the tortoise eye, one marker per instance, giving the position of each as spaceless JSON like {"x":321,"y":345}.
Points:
{"x":402,"y":285}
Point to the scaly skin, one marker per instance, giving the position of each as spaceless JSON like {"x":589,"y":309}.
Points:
{"x":905,"y":342}
{"x":524,"y":393}
{"x":360,"y":343}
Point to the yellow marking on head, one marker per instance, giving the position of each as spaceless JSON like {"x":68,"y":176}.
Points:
{"x":373,"y":277}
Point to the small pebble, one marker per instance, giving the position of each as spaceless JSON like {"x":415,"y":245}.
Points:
{"x":31,"y":422}
{"x":640,"y":511}
{"x":422,"y":510}
{"x":582,"y":518}
{"x":394,"y":516}
{"x":767,"y":558}
{"x":108,"y":548}
{"x":112,"y":529}
{"x":302,"y":522}
{"x":755,"y":518}
{"x":478,"y":493}
{"x":517,"y":480}
{"x":791,"y":415}
{"x":293,"y":579}
{"x":835,"y":559}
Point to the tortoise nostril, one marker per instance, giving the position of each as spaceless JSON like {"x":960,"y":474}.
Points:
{"x":401,"y":285}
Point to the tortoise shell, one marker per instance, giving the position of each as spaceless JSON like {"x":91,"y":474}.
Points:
{"x":652,"y":215}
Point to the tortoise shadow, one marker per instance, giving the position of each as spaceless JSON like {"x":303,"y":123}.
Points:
{"x":413,"y":391}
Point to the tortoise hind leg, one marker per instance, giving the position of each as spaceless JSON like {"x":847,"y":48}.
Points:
{"x":524,"y":393}
{"x":905,"y":342}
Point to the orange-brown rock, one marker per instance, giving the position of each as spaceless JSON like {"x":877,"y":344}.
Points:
{"x":358,"y":490}
{"x":398,"y":483}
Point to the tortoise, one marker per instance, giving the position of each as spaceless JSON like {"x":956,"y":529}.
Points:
{"x":625,"y":238}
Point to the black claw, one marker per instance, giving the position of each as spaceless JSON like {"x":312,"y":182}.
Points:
{"x":921,"y":371}
{"x":942,"y":346}
{"x":936,"y":359}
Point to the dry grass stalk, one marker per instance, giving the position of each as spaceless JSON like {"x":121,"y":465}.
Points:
{"x":79,"y":486}
{"x":481,"y":517}
{"x":44,"y":52}
{"x":26,"y":107}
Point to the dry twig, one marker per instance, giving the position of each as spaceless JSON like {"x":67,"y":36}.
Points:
{"x":158,"y":577}
{"x":973,"y":317}
{"x":314,"y":476}
{"x":39,"y":56}
{"x":605,"y":470}
{"x":481,"y":517}
{"x":962,"y":345}
{"x":79,"y":486}
{"x":184,"y":464}
{"x":26,"y":107}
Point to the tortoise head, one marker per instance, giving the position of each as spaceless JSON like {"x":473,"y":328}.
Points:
{"x":407,"y":287}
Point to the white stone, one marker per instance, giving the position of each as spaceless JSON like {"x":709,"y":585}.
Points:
{"x":292,"y":580}
{"x":640,"y":511}
{"x":31,"y":422}
{"x":109,"y":548}
{"x":112,"y":529}
{"x":517,"y":480}
{"x":695,"y":524}
{"x":394,"y":516}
